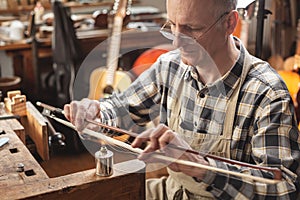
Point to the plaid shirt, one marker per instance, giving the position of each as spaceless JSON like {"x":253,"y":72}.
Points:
{"x":265,"y":130}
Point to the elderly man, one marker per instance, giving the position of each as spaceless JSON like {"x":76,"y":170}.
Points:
{"x":213,"y":96}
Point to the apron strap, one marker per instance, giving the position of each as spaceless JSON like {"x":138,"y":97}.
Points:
{"x":249,"y":62}
{"x":232,"y":105}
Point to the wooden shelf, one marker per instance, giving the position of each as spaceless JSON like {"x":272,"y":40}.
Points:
{"x":28,"y":8}
{"x":47,"y":6}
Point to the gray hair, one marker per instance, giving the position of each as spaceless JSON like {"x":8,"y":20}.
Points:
{"x":224,"y":6}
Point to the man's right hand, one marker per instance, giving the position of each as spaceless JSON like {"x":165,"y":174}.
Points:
{"x":77,"y":111}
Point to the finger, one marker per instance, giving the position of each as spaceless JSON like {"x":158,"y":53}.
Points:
{"x":171,"y":137}
{"x":150,"y":148}
{"x":166,"y":138}
{"x":141,"y":138}
{"x":78,"y":114}
{"x":67,"y":111}
{"x":155,"y":136}
{"x":80,"y":124}
{"x":151,"y":135}
{"x":93,"y":127}
{"x":93,"y":110}
{"x":73,"y":111}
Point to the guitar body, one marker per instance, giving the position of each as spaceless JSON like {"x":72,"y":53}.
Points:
{"x":276,"y":61}
{"x":106,"y":80}
{"x":289,"y":64}
{"x":148,"y":57}
{"x":291,"y":80}
{"x":98,"y":83}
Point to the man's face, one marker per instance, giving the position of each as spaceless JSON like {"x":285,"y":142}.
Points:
{"x":196,"y":29}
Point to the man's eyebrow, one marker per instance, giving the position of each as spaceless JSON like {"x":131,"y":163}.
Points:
{"x":195,"y":26}
{"x":188,"y":24}
{"x":171,"y":21}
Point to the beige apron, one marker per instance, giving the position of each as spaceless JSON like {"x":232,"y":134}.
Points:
{"x":179,"y":186}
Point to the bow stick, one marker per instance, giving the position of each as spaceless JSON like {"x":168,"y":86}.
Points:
{"x":275,"y":171}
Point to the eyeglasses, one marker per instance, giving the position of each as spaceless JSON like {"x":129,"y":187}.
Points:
{"x":166,"y":30}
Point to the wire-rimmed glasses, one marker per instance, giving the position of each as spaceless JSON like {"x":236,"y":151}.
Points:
{"x":166,"y":30}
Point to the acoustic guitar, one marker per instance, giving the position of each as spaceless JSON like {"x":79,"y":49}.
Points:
{"x":106,"y":80}
{"x":291,"y":74}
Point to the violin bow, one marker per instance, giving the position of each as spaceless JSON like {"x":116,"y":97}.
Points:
{"x":275,"y":171}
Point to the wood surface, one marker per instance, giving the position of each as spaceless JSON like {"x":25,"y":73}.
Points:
{"x":13,"y":153}
{"x":17,"y":128}
{"x":16,"y":103}
{"x":36,"y":128}
{"x":127,"y":181}
{"x":14,"y":125}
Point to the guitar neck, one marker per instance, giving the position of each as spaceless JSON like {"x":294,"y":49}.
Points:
{"x":115,"y":41}
{"x":114,"y":49}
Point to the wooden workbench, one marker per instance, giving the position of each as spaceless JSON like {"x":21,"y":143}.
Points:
{"x":36,"y":181}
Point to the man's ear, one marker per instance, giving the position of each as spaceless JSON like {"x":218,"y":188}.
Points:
{"x":232,"y":21}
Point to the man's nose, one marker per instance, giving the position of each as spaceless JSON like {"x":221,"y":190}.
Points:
{"x":177,"y":41}
{"x":178,"y":32}
{"x":181,"y":39}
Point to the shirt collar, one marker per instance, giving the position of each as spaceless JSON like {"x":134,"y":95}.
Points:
{"x":230,"y":81}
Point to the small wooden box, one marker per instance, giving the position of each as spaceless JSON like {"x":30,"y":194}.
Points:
{"x":16,"y":103}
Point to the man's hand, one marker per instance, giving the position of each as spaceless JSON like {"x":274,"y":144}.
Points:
{"x":160,"y":138}
{"x":77,"y":111}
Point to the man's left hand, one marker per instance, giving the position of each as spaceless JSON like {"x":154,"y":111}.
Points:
{"x":160,"y":138}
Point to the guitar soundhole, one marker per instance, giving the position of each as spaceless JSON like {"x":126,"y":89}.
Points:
{"x":108,"y":89}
